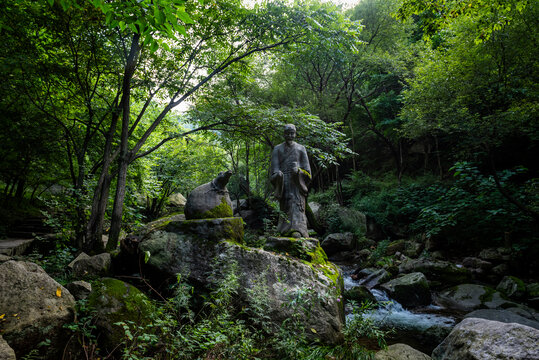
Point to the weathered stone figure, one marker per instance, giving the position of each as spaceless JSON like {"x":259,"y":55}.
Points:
{"x":290,"y":175}
{"x":210,"y":200}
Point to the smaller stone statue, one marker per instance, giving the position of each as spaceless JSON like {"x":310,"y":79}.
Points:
{"x":290,"y":174}
{"x":210,"y":200}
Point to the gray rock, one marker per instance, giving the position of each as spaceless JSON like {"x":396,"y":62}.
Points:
{"x":468,"y":297}
{"x":476,"y":263}
{"x":283,"y":277}
{"x":210,"y":200}
{"x":481,"y":339}
{"x":442,"y":272}
{"x":410,"y":290}
{"x":177,"y":199}
{"x":504,"y":316}
{"x":412,"y":248}
{"x":375,"y":278}
{"x":79,"y":289}
{"x":36,"y":308}
{"x":334,"y":243}
{"x":512,"y":287}
{"x":500,"y":270}
{"x":315,"y":208}
{"x":363,"y":254}
{"x":6,"y":352}
{"x":81,"y":256}
{"x":4,"y":258}
{"x":210,"y":230}
{"x":97,"y":265}
{"x":532,"y":290}
{"x":496,"y":254}
{"x":400,"y":352}
{"x":525,"y":311}
{"x":395,"y":246}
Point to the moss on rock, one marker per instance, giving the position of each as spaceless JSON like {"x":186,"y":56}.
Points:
{"x":116,"y":301}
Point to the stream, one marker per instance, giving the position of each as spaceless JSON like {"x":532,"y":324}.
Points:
{"x":422,"y":328}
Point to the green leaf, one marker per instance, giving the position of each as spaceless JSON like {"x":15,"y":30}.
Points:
{"x":185,"y":17}
{"x":154,"y":46}
{"x":51,"y":2}
{"x":147,"y":255}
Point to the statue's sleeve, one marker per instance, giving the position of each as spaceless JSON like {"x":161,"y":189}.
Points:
{"x":275,"y":179}
{"x":274,"y":167}
{"x":304,"y":175}
{"x":304,"y":161}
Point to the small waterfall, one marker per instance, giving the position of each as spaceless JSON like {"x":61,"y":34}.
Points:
{"x":422,"y":328}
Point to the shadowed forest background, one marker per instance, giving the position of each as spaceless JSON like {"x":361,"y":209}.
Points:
{"x":422,"y":115}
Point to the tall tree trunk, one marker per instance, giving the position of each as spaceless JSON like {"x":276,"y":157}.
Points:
{"x":125,"y":155}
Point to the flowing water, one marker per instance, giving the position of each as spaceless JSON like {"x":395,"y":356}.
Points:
{"x":422,"y":328}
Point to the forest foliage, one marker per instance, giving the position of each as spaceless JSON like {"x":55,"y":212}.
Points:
{"x":421,"y":114}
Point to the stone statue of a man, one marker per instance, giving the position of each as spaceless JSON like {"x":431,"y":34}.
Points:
{"x":290,"y":175}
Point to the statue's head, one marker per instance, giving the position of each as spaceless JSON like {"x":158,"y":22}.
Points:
{"x":289,"y":132}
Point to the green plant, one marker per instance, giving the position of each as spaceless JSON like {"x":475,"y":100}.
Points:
{"x":84,"y":330}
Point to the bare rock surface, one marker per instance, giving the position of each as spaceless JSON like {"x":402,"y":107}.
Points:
{"x":481,"y":339}
{"x":97,"y":265}
{"x":35,"y":306}
{"x":400,"y":352}
{"x":6,"y":352}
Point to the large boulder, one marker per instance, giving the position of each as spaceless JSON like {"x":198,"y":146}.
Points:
{"x":437,"y":272}
{"x":468,"y":297}
{"x":210,"y":200}
{"x":284,"y":278}
{"x":481,"y":339}
{"x":410,"y":290}
{"x":35,"y":306}
{"x":97,"y":265}
{"x":504,"y":316}
{"x":6,"y":352}
{"x":400,"y":352}
{"x":116,"y":301}
{"x":337,"y":242}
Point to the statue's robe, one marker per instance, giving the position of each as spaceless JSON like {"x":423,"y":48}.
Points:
{"x":291,"y":189}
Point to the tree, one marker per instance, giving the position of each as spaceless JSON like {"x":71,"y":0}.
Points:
{"x":482,"y":95}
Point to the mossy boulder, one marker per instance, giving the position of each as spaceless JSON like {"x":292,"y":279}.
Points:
{"x":410,"y":290}
{"x":359,"y":294}
{"x":302,"y":248}
{"x":512,"y":287}
{"x":283,"y":277}
{"x":117,"y":301}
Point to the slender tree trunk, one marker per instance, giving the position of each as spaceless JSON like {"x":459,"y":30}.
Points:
{"x":125,"y":155}
{"x":440,"y":170}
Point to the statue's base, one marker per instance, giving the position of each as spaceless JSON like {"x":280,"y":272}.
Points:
{"x":212,"y":230}
{"x":302,"y":248}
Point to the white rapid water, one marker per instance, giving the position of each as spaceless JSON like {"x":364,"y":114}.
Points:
{"x":422,"y":327}
{"x":392,"y":314}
